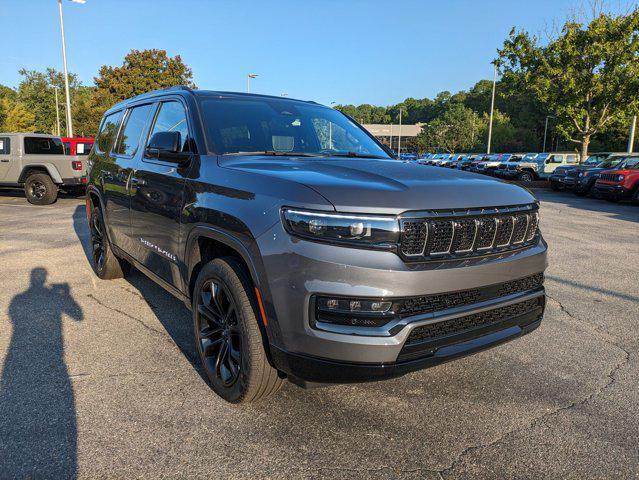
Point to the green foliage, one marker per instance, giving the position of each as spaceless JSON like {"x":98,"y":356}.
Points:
{"x":20,"y":119}
{"x":454,"y":131}
{"x":586,"y":77}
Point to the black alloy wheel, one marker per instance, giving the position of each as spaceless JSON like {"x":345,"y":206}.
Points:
{"x":218,"y":335}
{"x":37,"y":190}
{"x":98,"y":247}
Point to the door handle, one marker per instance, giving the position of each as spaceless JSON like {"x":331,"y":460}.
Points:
{"x":4,"y":161}
{"x":140,"y":182}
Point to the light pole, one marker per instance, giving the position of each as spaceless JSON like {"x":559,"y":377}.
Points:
{"x":492,"y":108}
{"x":248,"y":81}
{"x":399,"y":137}
{"x":66,"y":73}
{"x":631,"y":139}
{"x":57,"y":111}
{"x":546,"y":132}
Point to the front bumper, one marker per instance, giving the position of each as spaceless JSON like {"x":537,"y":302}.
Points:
{"x":299,"y":269}
{"x":607,"y":190}
{"x":507,"y":174}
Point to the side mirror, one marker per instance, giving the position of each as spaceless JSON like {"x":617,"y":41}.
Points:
{"x":166,"y":146}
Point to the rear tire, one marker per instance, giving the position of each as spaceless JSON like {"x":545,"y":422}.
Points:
{"x":103,"y":261}
{"x":227,"y":334}
{"x":40,"y":189}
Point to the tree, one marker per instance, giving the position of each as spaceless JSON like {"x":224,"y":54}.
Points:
{"x":37,"y":94}
{"x":454,"y":131}
{"x":20,"y":119}
{"x":586,"y":76}
{"x":141,"y":72}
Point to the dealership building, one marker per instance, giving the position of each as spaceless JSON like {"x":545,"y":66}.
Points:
{"x":389,"y":134}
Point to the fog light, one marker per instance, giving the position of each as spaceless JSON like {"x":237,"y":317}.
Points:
{"x":354,"y":311}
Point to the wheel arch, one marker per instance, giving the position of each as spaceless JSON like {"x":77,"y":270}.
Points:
{"x":47,"y":168}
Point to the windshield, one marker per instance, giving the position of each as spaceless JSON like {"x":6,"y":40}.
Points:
{"x":255,"y":125}
{"x":529,"y":157}
{"x":610,"y":162}
{"x":594,"y":159}
{"x":631,"y":163}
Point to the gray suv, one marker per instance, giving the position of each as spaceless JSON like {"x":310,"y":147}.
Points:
{"x":37,"y":163}
{"x":305,"y":250}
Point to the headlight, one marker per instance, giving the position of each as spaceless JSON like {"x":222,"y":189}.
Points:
{"x":581,"y":174}
{"x":367,"y":231}
{"x":620,"y":178}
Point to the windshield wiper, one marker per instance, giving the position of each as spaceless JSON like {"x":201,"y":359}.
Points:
{"x":276,"y":154}
{"x":353,"y":155}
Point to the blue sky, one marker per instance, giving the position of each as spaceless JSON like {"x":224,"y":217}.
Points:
{"x":346,"y":51}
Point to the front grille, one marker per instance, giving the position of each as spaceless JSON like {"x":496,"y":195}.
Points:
{"x":512,"y":167}
{"x":609,"y":177}
{"x":434,"y":331}
{"x":459,"y":234}
{"x":442,"y":301}
{"x":573,"y":173}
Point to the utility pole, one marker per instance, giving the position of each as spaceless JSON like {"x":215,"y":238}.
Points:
{"x":546,"y":132}
{"x":248,"y":81}
{"x":390,"y":140}
{"x":492,"y":108}
{"x":631,"y":139}
{"x":66,"y":74}
{"x":57,"y":111}
{"x":399,"y":137}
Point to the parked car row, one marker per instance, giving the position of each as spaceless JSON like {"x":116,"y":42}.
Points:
{"x":525,"y":167}
{"x":612,"y":175}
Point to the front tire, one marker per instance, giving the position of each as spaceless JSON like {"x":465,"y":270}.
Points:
{"x":40,"y":189}
{"x":103,"y":261}
{"x":227,"y":334}
{"x":525,"y":177}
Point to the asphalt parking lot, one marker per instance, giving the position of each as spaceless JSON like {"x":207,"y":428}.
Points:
{"x":100,"y":379}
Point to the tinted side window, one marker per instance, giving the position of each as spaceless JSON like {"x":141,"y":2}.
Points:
{"x":571,"y":158}
{"x":107,"y":132}
{"x":43,"y":146}
{"x":172,"y":118}
{"x":5,"y":145}
{"x":67,"y":148}
{"x":131,"y":131}
{"x":83,"y":148}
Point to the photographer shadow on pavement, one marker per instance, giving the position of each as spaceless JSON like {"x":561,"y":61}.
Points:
{"x":38,"y":426}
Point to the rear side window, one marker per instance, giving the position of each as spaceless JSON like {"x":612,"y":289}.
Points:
{"x":5,"y":145}
{"x":107,"y":131}
{"x":83,"y":148}
{"x":571,"y":158}
{"x":43,"y":146}
{"x":131,"y":131}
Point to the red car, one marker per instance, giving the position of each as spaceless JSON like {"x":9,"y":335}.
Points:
{"x":620,"y":183}
{"x":77,"y":145}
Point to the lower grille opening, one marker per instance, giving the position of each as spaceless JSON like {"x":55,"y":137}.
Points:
{"x":425,"y":340}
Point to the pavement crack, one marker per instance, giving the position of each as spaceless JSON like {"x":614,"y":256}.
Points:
{"x":121,"y":312}
{"x":610,"y":380}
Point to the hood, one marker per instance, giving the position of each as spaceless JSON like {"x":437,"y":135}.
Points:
{"x":384,"y":186}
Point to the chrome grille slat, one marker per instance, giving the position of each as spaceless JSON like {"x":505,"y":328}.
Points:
{"x":448,"y":234}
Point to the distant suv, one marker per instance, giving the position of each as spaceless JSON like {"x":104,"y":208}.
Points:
{"x":621,"y":182}
{"x":540,"y":166}
{"x":582,"y":178}
{"x":304,"y":249}
{"x":77,"y":145}
{"x":37,"y":163}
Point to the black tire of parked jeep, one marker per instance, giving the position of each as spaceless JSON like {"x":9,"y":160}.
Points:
{"x":40,"y":189}
{"x":103,"y":261}
{"x":582,"y":192}
{"x":525,"y":177}
{"x":227,"y":334}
